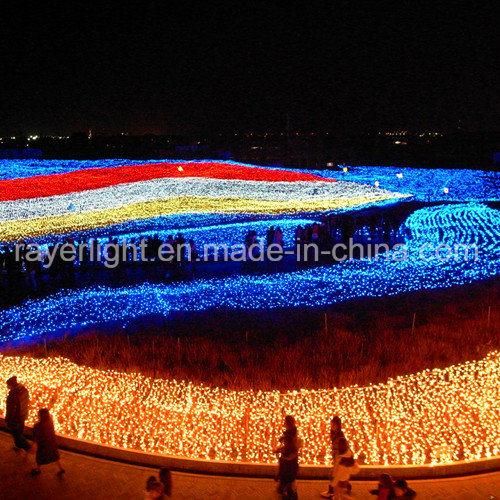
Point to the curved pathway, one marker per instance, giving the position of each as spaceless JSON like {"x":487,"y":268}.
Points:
{"x":88,"y":477}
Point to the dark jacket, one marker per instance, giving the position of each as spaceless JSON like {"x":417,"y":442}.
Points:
{"x":289,"y":456}
{"x":18,"y":401}
{"x":335,"y":437}
{"x":45,"y":439}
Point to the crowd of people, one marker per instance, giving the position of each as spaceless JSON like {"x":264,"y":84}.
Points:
{"x":62,"y":263}
{"x":345,"y":465}
{"x":360,"y":230}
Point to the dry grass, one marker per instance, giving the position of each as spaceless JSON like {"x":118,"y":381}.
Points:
{"x":360,"y":347}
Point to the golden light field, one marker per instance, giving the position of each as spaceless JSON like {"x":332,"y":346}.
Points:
{"x":435,"y":416}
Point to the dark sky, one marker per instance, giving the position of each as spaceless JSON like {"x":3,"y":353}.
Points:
{"x":176,"y":67}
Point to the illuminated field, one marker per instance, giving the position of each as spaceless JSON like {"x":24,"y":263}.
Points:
{"x":436,"y":416}
{"x":94,"y":198}
{"x":460,"y":224}
{"x":11,"y":230}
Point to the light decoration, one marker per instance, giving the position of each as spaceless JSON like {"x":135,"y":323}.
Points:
{"x":221,"y":234}
{"x":96,"y":178}
{"x":426,"y":184}
{"x":12,"y":230}
{"x":167,"y":189}
{"x":13,"y":169}
{"x":423,"y":183}
{"x":122,"y":195}
{"x":205,"y":223}
{"x":389,"y":274}
{"x":435,"y":416}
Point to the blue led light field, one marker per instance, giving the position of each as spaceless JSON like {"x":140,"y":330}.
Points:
{"x":392,"y":274}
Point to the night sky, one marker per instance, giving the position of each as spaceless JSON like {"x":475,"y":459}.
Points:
{"x":183,"y":67}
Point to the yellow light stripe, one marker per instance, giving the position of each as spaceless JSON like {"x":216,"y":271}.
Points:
{"x":16,"y":229}
{"x":438,"y":416}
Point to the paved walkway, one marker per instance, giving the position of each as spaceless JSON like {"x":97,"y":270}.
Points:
{"x":96,"y":479}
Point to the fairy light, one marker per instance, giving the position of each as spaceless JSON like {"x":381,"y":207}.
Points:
{"x":426,"y":184}
{"x":435,"y":416}
{"x":224,"y":235}
{"x":161,"y":189}
{"x":16,"y":229}
{"x":205,"y":227}
{"x":98,"y":197}
{"x":316,"y":287}
{"x":95,"y":178}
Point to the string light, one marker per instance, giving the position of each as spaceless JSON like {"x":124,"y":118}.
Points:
{"x":390,"y":274}
{"x":435,"y":416}
{"x":426,"y":184}
{"x":208,"y":225}
{"x":163,"y":189}
{"x":12,"y":230}
{"x":225,"y":235}
{"x":12,"y":169}
{"x":95,"y":178}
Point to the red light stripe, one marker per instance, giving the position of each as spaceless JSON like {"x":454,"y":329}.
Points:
{"x":51,"y":185}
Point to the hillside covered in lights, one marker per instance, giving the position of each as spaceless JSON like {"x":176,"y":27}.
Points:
{"x":430,"y":417}
{"x":436,"y":416}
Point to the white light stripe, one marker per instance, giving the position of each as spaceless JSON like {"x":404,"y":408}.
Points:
{"x":125,"y":194}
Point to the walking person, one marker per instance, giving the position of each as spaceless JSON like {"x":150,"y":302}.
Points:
{"x":45,"y":440}
{"x":16,"y":412}
{"x":343,"y":468}
{"x":336,"y":434}
{"x":165,"y":478}
{"x":288,"y":452}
